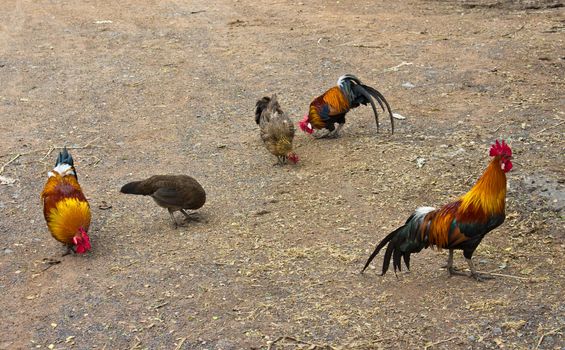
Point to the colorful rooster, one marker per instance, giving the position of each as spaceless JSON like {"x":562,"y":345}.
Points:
{"x":332,"y":106}
{"x":277,"y":130}
{"x":65,"y":207}
{"x":458,"y":225}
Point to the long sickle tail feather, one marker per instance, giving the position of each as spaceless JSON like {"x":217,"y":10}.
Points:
{"x":404,"y":241}
{"x":381,"y":99}
{"x":358,"y":89}
{"x":388,"y":252}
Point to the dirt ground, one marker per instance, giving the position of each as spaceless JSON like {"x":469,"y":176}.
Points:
{"x":138,"y":88}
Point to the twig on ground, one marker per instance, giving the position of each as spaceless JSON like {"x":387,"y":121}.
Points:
{"x":509,"y":276}
{"x":438,"y":342}
{"x":549,"y":127}
{"x":161,"y":305}
{"x":312,"y":345}
{"x":50,"y":263}
{"x":395,"y":68}
{"x":319,"y":41}
{"x":548,"y":333}
{"x":49,"y":150}
{"x":368,"y":46}
{"x":10,"y":161}
{"x":494,"y":273}
{"x":513,"y":32}
{"x":88,"y":144}
{"x":180,"y":344}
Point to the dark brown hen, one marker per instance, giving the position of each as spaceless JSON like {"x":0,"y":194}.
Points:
{"x":174,"y":192}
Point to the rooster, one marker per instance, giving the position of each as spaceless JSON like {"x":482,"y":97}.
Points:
{"x":332,"y":106}
{"x":65,"y":207}
{"x":461,"y":224}
{"x":173,"y":192}
{"x":277,"y":130}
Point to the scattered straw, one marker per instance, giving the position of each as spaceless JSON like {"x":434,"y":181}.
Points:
{"x":10,"y":161}
{"x":438,"y":342}
{"x":549,"y":127}
{"x":49,"y":151}
{"x":548,"y":333}
{"x":180,"y":344}
{"x":298,"y":341}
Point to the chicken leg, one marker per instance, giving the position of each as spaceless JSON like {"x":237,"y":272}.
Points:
{"x":321,"y":134}
{"x":449,"y":266}
{"x":479,"y":277}
{"x":452,"y":271}
{"x":189,"y":216}
{"x":68,"y":250}
{"x":175,"y":224}
{"x":335,"y":133}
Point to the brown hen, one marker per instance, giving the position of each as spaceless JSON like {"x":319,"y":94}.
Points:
{"x":277,"y":130}
{"x":173,"y":192}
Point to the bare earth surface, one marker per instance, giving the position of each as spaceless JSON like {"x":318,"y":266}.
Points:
{"x":138,"y":88}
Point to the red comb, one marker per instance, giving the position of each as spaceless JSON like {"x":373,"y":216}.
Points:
{"x":304,"y":125}
{"x":500,"y":149}
{"x":293,"y":157}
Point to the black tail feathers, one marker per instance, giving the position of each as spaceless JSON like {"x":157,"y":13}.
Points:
{"x":380,"y":246}
{"x":393,"y":251}
{"x":65,"y":158}
{"x":365,"y":94}
{"x":349,"y":77}
{"x":381,"y":100}
{"x":260,"y":106}
{"x":271,"y":104}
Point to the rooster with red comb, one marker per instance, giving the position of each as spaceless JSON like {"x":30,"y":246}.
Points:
{"x":65,"y":207}
{"x":460,"y":225}
{"x":331,"y":107}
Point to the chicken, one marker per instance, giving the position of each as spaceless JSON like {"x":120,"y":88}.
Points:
{"x":173,"y":192}
{"x":461,"y":224}
{"x":332,"y":106}
{"x":65,"y":207}
{"x":277,"y":130}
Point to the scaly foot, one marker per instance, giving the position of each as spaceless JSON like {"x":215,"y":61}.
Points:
{"x":192,"y":216}
{"x":453,"y":271}
{"x":481,"y":277}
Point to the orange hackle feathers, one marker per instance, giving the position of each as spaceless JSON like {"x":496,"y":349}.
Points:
{"x":337,"y":101}
{"x":436,"y":225}
{"x":334,"y":100}
{"x":65,"y":208}
{"x":314,"y":118}
{"x":488,"y":195}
